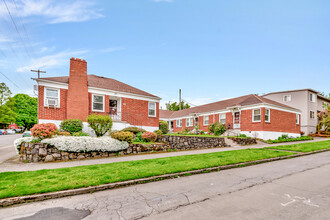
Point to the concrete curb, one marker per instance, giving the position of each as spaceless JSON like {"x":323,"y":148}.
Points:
{"x":53,"y":195}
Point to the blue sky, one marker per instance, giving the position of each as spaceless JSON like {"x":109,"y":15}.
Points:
{"x":211,"y":49}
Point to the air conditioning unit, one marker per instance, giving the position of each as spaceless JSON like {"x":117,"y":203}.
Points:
{"x":52,"y":102}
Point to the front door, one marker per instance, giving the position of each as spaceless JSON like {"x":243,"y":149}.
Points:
{"x":237,"y":120}
{"x":113,"y":106}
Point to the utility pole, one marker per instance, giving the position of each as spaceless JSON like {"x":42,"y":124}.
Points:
{"x":38,"y":71}
{"x":179,"y":99}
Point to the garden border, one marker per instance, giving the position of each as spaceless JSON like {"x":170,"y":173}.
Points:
{"x":59,"y":194}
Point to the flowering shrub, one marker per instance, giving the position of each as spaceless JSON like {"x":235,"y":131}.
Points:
{"x":63,"y":133}
{"x":149,"y":136}
{"x":42,"y":131}
{"x":123,"y":136}
{"x":134,"y":130}
{"x":86,"y":144}
{"x":18,"y":142}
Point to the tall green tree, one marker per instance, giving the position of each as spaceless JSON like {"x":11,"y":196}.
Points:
{"x":26,"y":110}
{"x":5,"y":93}
{"x":7,"y":112}
{"x":175,"y":106}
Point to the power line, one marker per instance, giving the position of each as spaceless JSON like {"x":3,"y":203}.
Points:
{"x":16,"y":28}
{"x":10,"y":81}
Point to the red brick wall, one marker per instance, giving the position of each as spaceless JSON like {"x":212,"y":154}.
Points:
{"x":137,"y":110}
{"x":78,"y":102}
{"x":52,"y":113}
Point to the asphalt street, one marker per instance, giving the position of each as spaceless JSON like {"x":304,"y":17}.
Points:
{"x":296,"y":188}
{"x":7,"y":149}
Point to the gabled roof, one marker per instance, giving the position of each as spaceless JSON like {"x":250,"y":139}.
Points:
{"x":104,"y":83}
{"x":241,"y":101}
{"x":299,"y":90}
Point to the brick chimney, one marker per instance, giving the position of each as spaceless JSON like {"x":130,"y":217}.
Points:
{"x":78,"y":103}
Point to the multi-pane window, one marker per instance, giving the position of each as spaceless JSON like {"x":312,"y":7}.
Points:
{"x":256,"y":116}
{"x":98,"y":103}
{"x":152,"y":109}
{"x":312,"y":114}
{"x":287,"y":98}
{"x":189,"y":122}
{"x":297,"y":119}
{"x":206,"y":119}
{"x":52,"y":97}
{"x":267,"y":115}
{"x":179,"y":123}
{"x":222,"y":118}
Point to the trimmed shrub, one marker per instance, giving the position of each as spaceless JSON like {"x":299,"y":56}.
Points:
{"x":101,"y":124}
{"x":217,"y":128}
{"x":64,"y":133}
{"x":163,"y":126}
{"x":123,"y":136}
{"x":46,"y":130}
{"x":71,"y":125}
{"x":79,"y":134}
{"x":149,"y":136}
{"x":138,"y":137}
{"x":134,"y":130}
{"x":158,"y":132}
{"x":86,"y":144}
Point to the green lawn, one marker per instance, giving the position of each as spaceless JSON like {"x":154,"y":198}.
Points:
{"x":41,"y":181}
{"x":305,"y":147}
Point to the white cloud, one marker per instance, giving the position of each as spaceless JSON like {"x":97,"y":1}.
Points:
{"x":49,"y":61}
{"x":54,"y":11}
{"x":112,"y":49}
{"x":4,"y":39}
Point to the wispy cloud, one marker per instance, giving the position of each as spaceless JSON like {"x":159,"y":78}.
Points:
{"x":112,"y":49}
{"x":49,"y":61}
{"x":53,"y":11}
{"x":4,"y":39}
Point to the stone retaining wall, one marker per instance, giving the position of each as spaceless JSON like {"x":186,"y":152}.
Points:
{"x":192,"y":142}
{"x":38,"y":152}
{"x":244,"y":141}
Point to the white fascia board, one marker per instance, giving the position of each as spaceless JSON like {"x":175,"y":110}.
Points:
{"x":122,"y":94}
{"x":52,"y":84}
{"x":270,"y":106}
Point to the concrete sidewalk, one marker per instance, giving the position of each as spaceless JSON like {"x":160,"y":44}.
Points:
{"x":15,"y":165}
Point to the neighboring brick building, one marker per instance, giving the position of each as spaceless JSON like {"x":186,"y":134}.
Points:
{"x":252,"y":115}
{"x":78,"y":95}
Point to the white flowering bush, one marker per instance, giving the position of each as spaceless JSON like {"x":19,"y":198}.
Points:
{"x":18,"y":142}
{"x":86,"y":144}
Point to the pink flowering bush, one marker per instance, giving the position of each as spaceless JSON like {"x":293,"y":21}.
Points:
{"x":149,"y":136}
{"x":42,"y":131}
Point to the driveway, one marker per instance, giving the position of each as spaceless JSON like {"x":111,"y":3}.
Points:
{"x":7,"y":149}
{"x":296,"y":188}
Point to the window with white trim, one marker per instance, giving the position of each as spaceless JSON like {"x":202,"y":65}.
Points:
{"x":152,"y":109}
{"x":267,"y":115}
{"x":222,"y":118}
{"x":256,"y":115}
{"x":52,"y":97}
{"x":206,"y":119}
{"x":189,"y":122}
{"x":297,"y":119}
{"x":287,"y":98}
{"x":312,"y":114}
{"x":179,"y":123}
{"x":98,"y":103}
{"x":311,"y":97}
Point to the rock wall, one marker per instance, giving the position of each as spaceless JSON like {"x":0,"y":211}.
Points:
{"x":192,"y":142}
{"x":244,"y":141}
{"x":38,"y":152}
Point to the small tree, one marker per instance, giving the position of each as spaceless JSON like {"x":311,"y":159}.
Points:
{"x":174,"y":106}
{"x":101,"y":124}
{"x":7,"y":112}
{"x":163,"y":126}
{"x":72,"y":125}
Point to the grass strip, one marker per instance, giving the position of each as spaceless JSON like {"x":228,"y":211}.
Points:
{"x":51,"y":180}
{"x":304,"y":147}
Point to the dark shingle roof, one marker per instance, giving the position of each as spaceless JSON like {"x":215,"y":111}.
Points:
{"x":221,"y":105}
{"x":104,"y":83}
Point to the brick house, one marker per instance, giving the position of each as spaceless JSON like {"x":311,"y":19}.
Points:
{"x":78,"y":95}
{"x":252,"y":115}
